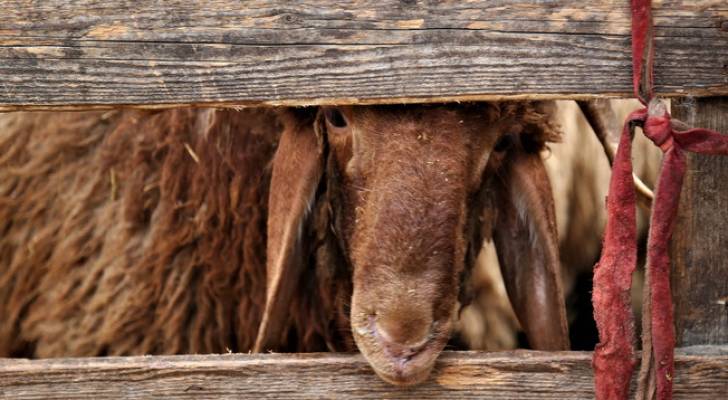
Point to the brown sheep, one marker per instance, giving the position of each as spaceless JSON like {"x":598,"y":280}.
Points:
{"x":142,"y":232}
{"x":116,"y":239}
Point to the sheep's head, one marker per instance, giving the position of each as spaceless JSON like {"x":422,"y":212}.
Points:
{"x":416,"y":190}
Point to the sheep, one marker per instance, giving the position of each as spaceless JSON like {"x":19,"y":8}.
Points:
{"x":130,"y":232}
{"x":331,"y":228}
{"x":487,"y":322}
{"x":579,"y":173}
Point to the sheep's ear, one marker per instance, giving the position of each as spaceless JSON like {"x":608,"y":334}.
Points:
{"x":298,"y":166}
{"x":527,"y":245}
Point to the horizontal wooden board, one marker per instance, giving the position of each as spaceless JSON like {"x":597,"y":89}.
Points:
{"x":701,"y":373}
{"x":95,"y":53}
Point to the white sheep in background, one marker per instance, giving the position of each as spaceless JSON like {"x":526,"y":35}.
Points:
{"x":579,"y":173}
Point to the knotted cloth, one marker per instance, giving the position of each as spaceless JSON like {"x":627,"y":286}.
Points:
{"x":614,"y":357}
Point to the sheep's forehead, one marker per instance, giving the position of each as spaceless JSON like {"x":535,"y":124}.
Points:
{"x":428,"y":135}
{"x":415,"y":120}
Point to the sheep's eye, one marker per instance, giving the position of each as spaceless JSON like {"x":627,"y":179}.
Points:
{"x":504,"y":143}
{"x":335,"y":118}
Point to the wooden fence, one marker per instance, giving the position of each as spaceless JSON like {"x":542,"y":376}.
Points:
{"x":63,"y":54}
{"x":701,"y":373}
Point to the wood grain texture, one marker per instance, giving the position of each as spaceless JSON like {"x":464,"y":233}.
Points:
{"x":702,"y":373}
{"x":94,"y":53}
{"x":700,"y":241}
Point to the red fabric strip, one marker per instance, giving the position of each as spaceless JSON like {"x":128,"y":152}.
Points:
{"x":667,"y":195}
{"x":641,"y":62}
{"x":702,"y":141}
{"x":614,"y":355}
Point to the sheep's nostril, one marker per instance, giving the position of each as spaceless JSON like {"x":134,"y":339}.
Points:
{"x":404,"y":329}
{"x":403,"y":347}
{"x":402,"y":353}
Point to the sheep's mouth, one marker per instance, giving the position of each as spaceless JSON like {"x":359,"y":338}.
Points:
{"x":405,"y":379}
{"x":412,"y":370}
{"x":402,"y":371}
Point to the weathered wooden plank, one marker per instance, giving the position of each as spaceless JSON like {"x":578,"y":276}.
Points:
{"x":702,"y":373}
{"x":160,"y":53}
{"x":700,"y":241}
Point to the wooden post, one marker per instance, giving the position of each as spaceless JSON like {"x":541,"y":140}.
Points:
{"x":700,"y":240}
